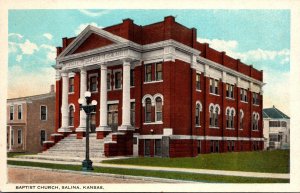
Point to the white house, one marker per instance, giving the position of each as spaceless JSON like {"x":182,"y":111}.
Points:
{"x":276,"y":129}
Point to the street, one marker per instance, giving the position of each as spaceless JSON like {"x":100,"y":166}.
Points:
{"x":20,"y":175}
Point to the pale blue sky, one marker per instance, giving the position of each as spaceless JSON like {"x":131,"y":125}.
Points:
{"x":258,"y":37}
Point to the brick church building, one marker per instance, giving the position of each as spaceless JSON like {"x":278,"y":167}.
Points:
{"x":160,"y":92}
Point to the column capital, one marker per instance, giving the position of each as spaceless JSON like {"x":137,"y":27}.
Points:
{"x":64,"y":74}
{"x":57,"y":74}
{"x":126,"y":61}
{"x":82,"y":69}
{"x":103,"y":66}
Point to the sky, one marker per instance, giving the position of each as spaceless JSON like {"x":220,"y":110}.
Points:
{"x":257,"y":37}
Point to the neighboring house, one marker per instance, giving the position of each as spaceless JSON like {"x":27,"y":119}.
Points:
{"x":30,"y":121}
{"x":276,"y":129}
{"x":160,"y":92}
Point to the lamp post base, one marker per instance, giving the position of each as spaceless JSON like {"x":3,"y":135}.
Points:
{"x":87,"y":165}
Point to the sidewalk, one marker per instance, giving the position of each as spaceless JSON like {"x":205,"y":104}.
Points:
{"x":187,"y":170}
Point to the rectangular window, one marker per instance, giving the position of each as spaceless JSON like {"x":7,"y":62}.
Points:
{"x":132,"y":113}
{"x":93,"y":83}
{"x":19,"y":112}
{"x":108,"y":81}
{"x":214,"y":86}
{"x":229,"y":91}
{"x":157,"y":147}
{"x":43,"y":136}
{"x":11,"y":113}
{"x":211,"y":146}
{"x":71,"y":85}
{"x":199,"y":146}
{"x":274,"y":124}
{"x":132,"y":77}
{"x":198,"y":82}
{"x":148,"y":74}
{"x":135,"y":140}
{"x":216,"y":146}
{"x":118,"y":80}
{"x":232,"y":145}
{"x":43,"y":112}
{"x":12,"y":135}
{"x":147,"y":147}
{"x":158,"y":73}
{"x":243,"y":93}
{"x":19,"y":136}
{"x":255,"y":98}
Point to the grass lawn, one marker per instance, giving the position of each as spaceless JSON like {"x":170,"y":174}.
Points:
{"x":157,"y":174}
{"x":277,"y":161}
{"x":16,"y":154}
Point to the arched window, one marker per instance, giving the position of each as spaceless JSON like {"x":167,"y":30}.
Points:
{"x":241,"y":119}
{"x":148,"y":110}
{"x":198,"y":109}
{"x":158,"y":109}
{"x":228,"y":118}
{"x":211,"y":116}
{"x":232,"y":119}
{"x":71,"y":115}
{"x":216,"y":116}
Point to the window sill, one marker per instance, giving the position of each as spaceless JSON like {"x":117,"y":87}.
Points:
{"x":71,"y":93}
{"x":93,"y":92}
{"x":256,"y":105}
{"x":214,"y":127}
{"x":198,"y":126}
{"x":255,"y":130}
{"x":198,"y":90}
{"x":214,"y":94}
{"x":153,"y":123}
{"x":118,"y":88}
{"x":152,"y":82}
{"x":228,"y":98}
{"x":244,"y":102}
{"x":230,"y":128}
{"x":132,"y":86}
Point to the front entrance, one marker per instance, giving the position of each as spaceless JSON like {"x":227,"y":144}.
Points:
{"x":135,"y":146}
{"x":112,"y":120}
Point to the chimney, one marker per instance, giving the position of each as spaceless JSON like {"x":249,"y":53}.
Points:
{"x":52,"y":88}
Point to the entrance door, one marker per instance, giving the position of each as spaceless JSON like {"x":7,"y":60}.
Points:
{"x":135,"y":146}
{"x":113,"y":117}
{"x":147,"y":147}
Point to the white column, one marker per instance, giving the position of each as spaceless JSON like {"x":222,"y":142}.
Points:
{"x":64,"y":104}
{"x":126,"y":98}
{"x":103,"y":100}
{"x":83,"y":88}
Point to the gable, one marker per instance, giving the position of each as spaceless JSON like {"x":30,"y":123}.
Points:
{"x":92,"y":42}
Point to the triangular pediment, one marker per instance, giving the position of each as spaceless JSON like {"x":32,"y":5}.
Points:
{"x":94,"y":41}
{"x":91,"y":38}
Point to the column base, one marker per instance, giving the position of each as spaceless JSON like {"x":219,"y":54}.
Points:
{"x":80,"y":129}
{"x":64,"y":130}
{"x":103,"y":128}
{"x":126,"y":128}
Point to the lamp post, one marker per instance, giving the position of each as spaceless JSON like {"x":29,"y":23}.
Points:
{"x":87,"y":164}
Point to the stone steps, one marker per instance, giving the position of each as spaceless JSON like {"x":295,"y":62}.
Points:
{"x":72,"y":147}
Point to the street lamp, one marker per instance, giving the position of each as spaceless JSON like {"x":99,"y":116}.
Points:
{"x":87,"y":164}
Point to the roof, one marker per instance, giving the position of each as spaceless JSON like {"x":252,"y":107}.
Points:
{"x":34,"y":97}
{"x":274,"y":113}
